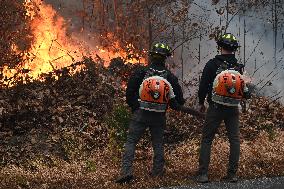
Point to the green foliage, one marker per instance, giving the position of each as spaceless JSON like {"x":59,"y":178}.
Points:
{"x":269,"y":128}
{"x":22,"y":181}
{"x":70,"y":145}
{"x":117,"y":122}
{"x":91,"y":166}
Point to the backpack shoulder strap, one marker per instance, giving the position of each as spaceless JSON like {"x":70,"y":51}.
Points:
{"x":152,"y":72}
{"x":224,"y":65}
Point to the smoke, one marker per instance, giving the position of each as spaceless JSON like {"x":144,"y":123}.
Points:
{"x":70,"y":10}
{"x":78,"y":16}
{"x":257,"y":51}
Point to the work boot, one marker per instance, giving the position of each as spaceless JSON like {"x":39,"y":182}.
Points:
{"x":231,"y":178}
{"x":202,"y":178}
{"x":124,"y":179}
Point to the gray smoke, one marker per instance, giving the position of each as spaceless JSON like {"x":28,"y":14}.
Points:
{"x":259,"y":47}
{"x":70,"y":10}
{"x":80,"y":21}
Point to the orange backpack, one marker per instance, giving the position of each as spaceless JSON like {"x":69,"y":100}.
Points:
{"x":155,"y":91}
{"x":228,"y":86}
{"x":229,"y":83}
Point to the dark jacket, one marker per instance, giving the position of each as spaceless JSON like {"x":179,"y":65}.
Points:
{"x":210,"y":72}
{"x":132,"y":91}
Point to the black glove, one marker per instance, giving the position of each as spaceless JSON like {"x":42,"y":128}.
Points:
{"x":247,"y":95}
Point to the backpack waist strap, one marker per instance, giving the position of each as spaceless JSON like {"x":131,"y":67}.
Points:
{"x":227,"y":101}
{"x":154,"y":107}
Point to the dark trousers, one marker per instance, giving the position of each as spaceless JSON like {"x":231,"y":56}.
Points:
{"x":215,"y":115}
{"x":140,"y":122}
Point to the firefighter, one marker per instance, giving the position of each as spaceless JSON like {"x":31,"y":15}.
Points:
{"x":224,"y":87}
{"x":149,"y":92}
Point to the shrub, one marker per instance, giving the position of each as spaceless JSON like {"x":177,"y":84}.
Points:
{"x":117,"y":122}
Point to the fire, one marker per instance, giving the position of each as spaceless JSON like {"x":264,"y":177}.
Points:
{"x":53,"y":48}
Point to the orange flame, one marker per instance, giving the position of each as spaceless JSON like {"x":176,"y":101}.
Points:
{"x":53,"y":49}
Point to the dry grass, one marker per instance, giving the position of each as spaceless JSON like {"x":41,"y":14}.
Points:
{"x":260,"y":157}
{"x":80,"y":148}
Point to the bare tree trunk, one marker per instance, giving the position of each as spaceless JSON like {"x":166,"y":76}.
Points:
{"x":150,"y":32}
{"x":102,"y":8}
{"x":181,"y":56}
{"x":83,"y":17}
{"x":199,"y":48}
{"x":245,"y":32}
{"x":115,"y":6}
{"x":275,"y":29}
{"x":239,"y":34}
{"x":173,"y":36}
{"x":227,"y":21}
